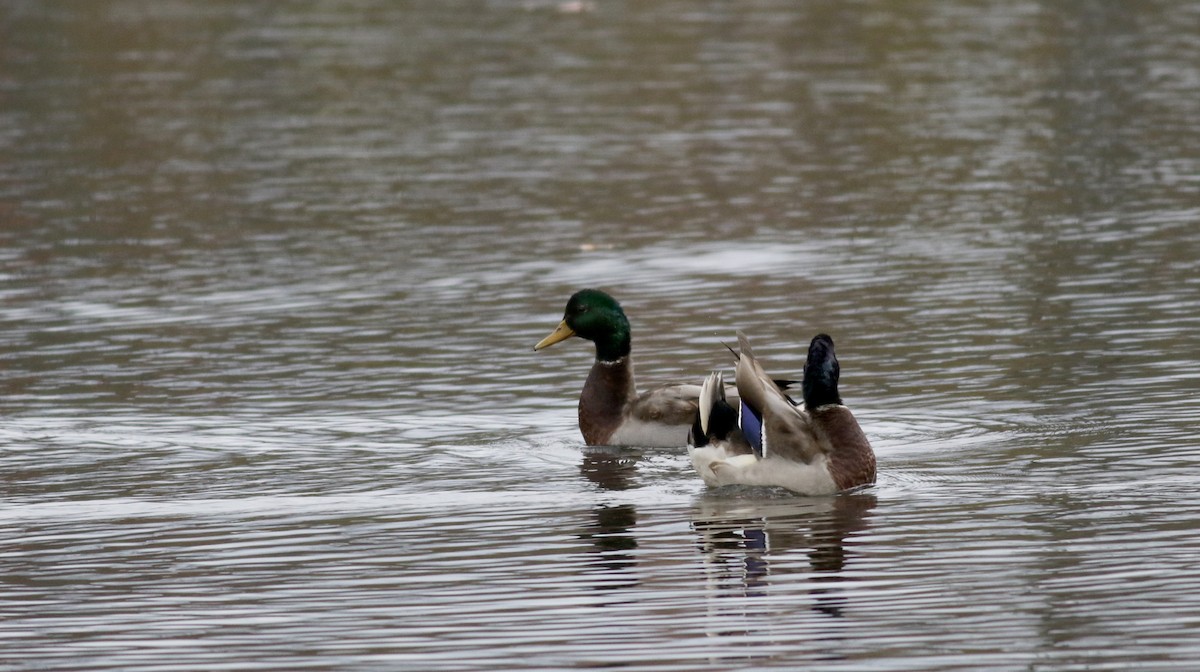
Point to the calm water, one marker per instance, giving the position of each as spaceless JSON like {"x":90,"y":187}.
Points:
{"x":271,"y":273}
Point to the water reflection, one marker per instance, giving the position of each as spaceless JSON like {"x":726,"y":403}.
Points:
{"x":748,"y":544}
{"x":612,"y":546}
{"x":761,"y":557}
{"x":610,"y":467}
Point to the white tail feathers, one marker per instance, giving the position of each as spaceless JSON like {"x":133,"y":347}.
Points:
{"x":712,"y":389}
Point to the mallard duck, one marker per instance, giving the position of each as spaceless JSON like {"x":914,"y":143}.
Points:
{"x":611,"y":412}
{"x":815,"y":449}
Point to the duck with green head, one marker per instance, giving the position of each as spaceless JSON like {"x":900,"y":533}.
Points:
{"x":611,"y":411}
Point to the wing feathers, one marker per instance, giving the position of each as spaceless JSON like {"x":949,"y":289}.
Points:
{"x":785,"y":427}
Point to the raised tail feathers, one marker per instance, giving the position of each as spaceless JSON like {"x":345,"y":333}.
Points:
{"x":716,"y":420}
{"x":711,"y":391}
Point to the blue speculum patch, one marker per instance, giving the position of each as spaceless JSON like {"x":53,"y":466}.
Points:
{"x":751,"y":424}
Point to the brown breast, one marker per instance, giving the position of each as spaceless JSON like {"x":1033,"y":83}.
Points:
{"x":851,"y":460}
{"x":608,"y":390}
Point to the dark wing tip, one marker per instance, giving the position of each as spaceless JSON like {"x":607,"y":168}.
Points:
{"x":736,"y":356}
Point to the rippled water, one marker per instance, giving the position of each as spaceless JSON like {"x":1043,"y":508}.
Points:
{"x":271,"y":273}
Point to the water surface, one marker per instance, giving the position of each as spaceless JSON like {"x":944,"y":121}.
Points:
{"x":271,"y":273}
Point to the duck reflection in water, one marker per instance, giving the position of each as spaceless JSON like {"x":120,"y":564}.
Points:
{"x":610,"y":467}
{"x":611,"y":533}
{"x":745,"y":542}
{"x":611,"y":558}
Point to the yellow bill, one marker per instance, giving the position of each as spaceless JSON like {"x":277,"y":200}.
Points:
{"x":561,"y":333}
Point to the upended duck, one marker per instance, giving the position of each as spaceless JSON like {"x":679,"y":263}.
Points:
{"x":611,"y":411}
{"x":767,"y":439}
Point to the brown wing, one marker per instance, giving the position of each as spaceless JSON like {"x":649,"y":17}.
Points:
{"x":669,"y":404}
{"x":750,"y":378}
{"x":789,"y":433}
{"x":790,"y":436}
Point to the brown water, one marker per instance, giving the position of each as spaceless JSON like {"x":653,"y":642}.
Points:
{"x":270,"y":275}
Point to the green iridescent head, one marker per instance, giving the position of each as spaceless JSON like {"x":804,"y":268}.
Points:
{"x":595,"y":316}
